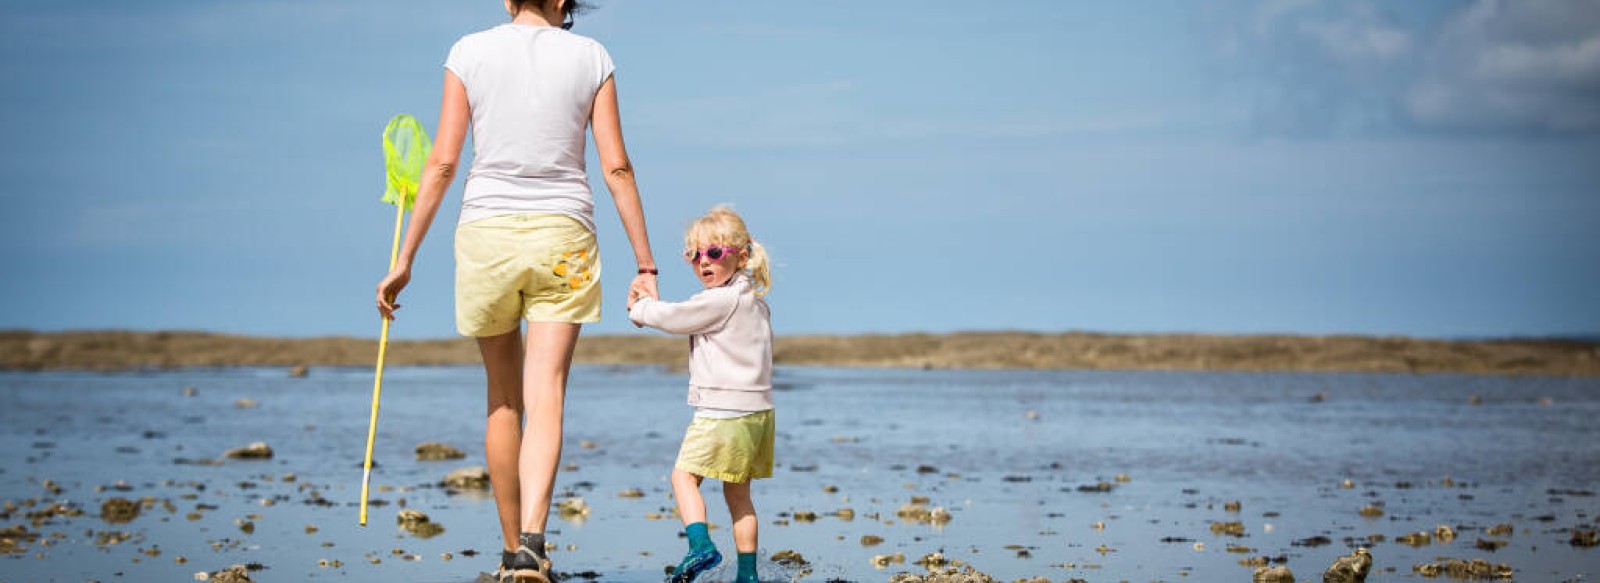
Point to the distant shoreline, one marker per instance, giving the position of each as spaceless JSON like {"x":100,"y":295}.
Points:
{"x":128,"y":350}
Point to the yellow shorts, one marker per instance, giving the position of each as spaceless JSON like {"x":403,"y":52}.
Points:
{"x":542,"y":268}
{"x":732,"y":450}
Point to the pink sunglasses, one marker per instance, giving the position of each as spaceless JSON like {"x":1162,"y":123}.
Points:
{"x":713,"y":252}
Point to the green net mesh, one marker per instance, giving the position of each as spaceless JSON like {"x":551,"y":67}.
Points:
{"x":405,"y":150}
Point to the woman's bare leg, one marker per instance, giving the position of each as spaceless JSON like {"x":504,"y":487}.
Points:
{"x":502,"y":439}
{"x":544,"y":393}
{"x":743,"y":512}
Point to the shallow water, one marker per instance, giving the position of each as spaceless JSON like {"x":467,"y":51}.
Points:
{"x":1003,"y":451}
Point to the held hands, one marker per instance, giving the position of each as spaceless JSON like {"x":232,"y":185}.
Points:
{"x":643,"y":286}
{"x":389,"y":291}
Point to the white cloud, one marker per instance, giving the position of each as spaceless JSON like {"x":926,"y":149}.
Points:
{"x":1355,"y":40}
{"x":1532,"y":64}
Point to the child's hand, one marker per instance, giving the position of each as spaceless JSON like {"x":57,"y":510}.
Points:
{"x":642,"y":286}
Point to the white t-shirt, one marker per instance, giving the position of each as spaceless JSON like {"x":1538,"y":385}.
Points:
{"x":531,"y":90}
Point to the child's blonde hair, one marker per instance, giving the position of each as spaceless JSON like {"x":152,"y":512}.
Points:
{"x":722,"y":226}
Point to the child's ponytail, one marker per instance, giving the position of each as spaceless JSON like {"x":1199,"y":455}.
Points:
{"x":760,"y":268}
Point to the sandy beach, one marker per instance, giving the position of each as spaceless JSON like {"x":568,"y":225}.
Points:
{"x":124,"y":350}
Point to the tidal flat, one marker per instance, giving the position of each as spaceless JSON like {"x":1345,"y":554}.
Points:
{"x":1015,"y":474}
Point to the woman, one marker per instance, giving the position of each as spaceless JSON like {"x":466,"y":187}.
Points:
{"x":525,"y":245}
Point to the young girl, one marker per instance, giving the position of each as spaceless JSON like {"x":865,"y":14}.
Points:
{"x":730,"y":384}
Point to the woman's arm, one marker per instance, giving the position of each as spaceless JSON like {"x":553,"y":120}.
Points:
{"x":436,"y":178}
{"x":606,"y":123}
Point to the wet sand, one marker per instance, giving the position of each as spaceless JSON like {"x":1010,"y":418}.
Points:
{"x":122,"y":350}
{"x":1016,"y":475}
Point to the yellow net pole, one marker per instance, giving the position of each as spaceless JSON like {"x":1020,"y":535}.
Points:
{"x":377,"y":379}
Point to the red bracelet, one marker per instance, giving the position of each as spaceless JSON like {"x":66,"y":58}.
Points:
{"x":649,"y":271}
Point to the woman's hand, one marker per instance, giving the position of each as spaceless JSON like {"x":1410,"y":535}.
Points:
{"x":643,"y":286}
{"x":389,"y":291}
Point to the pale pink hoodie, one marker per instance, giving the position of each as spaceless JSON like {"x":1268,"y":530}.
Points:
{"x":730,"y":343}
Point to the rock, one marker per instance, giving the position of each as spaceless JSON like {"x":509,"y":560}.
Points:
{"x":1349,"y":569}
{"x":190,"y":391}
{"x":1584,"y":538}
{"x":298,"y":372}
{"x":964,"y":574}
{"x":913,"y":512}
{"x":1489,"y":545}
{"x":1233,"y":506}
{"x":933,"y":560}
{"x":845,"y":514}
{"x":1371,"y":511}
{"x":1122,"y":478}
{"x":255,"y":451}
{"x":871,"y":540}
{"x":631,"y":493}
{"x":245,"y":404}
{"x":434,"y":451}
{"x":1233,"y":528}
{"x":883,"y":561}
{"x":1500,"y":530}
{"x":789,"y":558}
{"x":573,"y":509}
{"x":409,"y":517}
{"x":473,"y":478}
{"x":233,"y":574}
{"x":1460,"y":569}
{"x":119,"y":511}
{"x":1272,"y":575}
{"x":1416,"y":539}
{"x":1099,"y":487}
{"x":1444,"y":534}
{"x":418,"y":524}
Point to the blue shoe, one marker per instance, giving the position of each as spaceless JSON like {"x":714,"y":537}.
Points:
{"x":695,"y":564}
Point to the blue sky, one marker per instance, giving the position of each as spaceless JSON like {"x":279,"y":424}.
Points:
{"x":1419,"y":168}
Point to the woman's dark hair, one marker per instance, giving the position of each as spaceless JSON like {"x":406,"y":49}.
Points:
{"x":570,"y":8}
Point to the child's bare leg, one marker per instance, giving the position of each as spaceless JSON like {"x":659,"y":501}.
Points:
{"x":686,"y":490}
{"x":743,"y":511}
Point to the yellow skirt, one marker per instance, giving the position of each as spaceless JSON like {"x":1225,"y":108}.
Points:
{"x":732,"y":450}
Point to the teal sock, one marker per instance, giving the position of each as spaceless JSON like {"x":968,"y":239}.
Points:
{"x":747,"y":567}
{"x":699,"y":537}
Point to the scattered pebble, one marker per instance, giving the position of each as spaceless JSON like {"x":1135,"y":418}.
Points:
{"x":119,"y":511}
{"x":255,"y":451}
{"x":883,"y":561}
{"x":1232,"y":528}
{"x":1462,"y":569}
{"x":1349,"y":569}
{"x":473,"y":478}
{"x":1272,"y":575}
{"x":434,"y":451}
{"x":573,"y":509}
